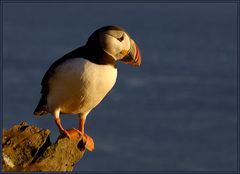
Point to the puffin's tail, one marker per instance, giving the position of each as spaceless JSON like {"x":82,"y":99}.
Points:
{"x":41,"y":108}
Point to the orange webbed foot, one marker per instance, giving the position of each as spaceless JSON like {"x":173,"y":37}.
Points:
{"x":70,"y":133}
{"x":88,"y":141}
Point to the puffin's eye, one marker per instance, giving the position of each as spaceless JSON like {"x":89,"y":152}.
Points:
{"x":121,"y":38}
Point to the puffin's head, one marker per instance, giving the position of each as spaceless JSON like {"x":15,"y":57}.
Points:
{"x":116,"y":42}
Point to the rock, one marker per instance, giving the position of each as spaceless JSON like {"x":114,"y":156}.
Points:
{"x":28,"y":148}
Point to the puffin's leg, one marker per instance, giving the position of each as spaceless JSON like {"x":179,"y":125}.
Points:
{"x":71,"y":133}
{"x":88,"y":140}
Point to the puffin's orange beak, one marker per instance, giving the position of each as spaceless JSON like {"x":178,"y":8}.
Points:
{"x":134,"y":56}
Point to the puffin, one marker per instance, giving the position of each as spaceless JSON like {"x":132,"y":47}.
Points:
{"x":78,"y":81}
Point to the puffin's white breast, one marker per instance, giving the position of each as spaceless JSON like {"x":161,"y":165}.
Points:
{"x":78,"y":85}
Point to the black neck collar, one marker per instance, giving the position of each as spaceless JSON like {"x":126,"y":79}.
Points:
{"x":93,"y":54}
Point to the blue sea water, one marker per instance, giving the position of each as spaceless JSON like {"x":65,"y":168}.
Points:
{"x":177,"y":112}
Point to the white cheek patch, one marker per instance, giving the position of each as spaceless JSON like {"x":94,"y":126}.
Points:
{"x":111,"y":45}
{"x":126,"y":42}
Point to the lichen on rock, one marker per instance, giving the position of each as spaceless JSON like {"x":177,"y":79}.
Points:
{"x":28,"y":148}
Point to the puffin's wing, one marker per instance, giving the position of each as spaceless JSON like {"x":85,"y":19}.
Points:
{"x":41,"y":108}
